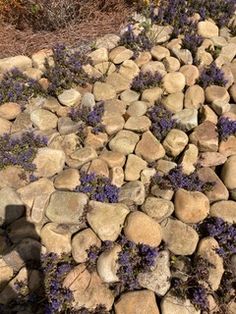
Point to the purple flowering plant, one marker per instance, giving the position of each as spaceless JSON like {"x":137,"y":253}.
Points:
{"x":226,"y":128}
{"x":212,"y":75}
{"x":146,"y":80}
{"x":98,"y":188}
{"x":18,"y":87}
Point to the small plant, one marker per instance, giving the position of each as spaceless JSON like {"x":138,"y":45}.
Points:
{"x":176,"y":179}
{"x":162,"y":121}
{"x":192,"y":41}
{"x":17,"y":87}
{"x":67,"y":70}
{"x":20,"y":151}
{"x":212,"y":75}
{"x":226,"y":127}
{"x":146,"y":80}
{"x":98,"y":188}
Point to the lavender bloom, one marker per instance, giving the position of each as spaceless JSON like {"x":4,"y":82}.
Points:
{"x":192,"y":42}
{"x":212,"y":75}
{"x":198,"y":297}
{"x":146,"y":80}
{"x":226,"y":127}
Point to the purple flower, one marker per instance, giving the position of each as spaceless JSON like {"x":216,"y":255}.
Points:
{"x":226,"y":127}
{"x":212,"y":75}
{"x":146,"y":80}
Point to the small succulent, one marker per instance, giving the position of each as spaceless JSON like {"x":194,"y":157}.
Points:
{"x":98,"y":188}
{"x":146,"y":80}
{"x":226,"y":127}
{"x":212,"y":75}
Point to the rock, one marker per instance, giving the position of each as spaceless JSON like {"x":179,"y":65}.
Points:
{"x":171,"y":64}
{"x":219,"y":191}
{"x":189,"y":159}
{"x":149,"y":148}
{"x":174,"y":102}
{"x":228,"y":147}
{"x":6,"y":273}
{"x":171,"y":304}
{"x":107,"y":265}
{"x":162,"y":193}
{"x":113,"y":159}
{"x":180,"y":238}
{"x":119,"y":82}
{"x":48,"y":162}
{"x":129,"y":96}
{"x":5,"y":126}
{"x":43,"y":119}
{"x":138,"y":124}
{"x":143,"y":58}
{"x":154,"y":67}
{"x":206,"y":249}
{"x":92,"y":72}
{"x":120,"y":54}
{"x":184,"y":55}
{"x":103,"y":91}
{"x":138,"y":302}
{"x":124,"y":142}
{"x":88,"y":289}
{"x":174,"y":82}
{"x":160,"y":52}
{"x":137,"y":109}
{"x":9,"y":110}
{"x":228,"y":173}
{"x":107,"y":220}
{"x":96,"y":141}
{"x":134,"y":166}
{"x":129,"y":69}
{"x":158,"y":208}
{"x":225,"y":210}
{"x":66,"y":207}
{"x":99,"y":167}
{"x":211,"y":159}
{"x":205,"y":137}
{"x":232,"y":92}
{"x":68,"y":179}
{"x":161,"y":33}
{"x":83,"y":156}
{"x":220,"y":107}
{"x":11,"y":206}
{"x":152,"y":94}
{"x":22,"y":63}
{"x":194,"y":97}
{"x":70,"y":97}
{"x":216,"y":93}
{"x":149,"y":234}
{"x":105,"y":68}
{"x":132,"y":192}
{"x":39,"y":58}
{"x":115,"y":106}
{"x":191,"y":207}
{"x":108,"y":41}
{"x":187,"y":118}
{"x":56,"y":238}
{"x":88,"y":101}
{"x":207,"y":114}
{"x":67,"y":126}
{"x":207,"y":29}
{"x":158,"y":279}
{"x":191,"y":74}
{"x":21,"y":123}
{"x":11,"y":177}
{"x":117,"y":176}
{"x":81,"y":242}
{"x":175,"y":142}
{"x":99,"y":55}
{"x":35,"y":196}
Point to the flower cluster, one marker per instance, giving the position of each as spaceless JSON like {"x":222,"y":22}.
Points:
{"x":20,"y":151}
{"x":162,"y":121}
{"x":212,"y":75}
{"x":55,"y":268}
{"x":67,"y":69}
{"x":192,"y":41}
{"x":146,"y":80}
{"x":18,"y":87}
{"x":133,"y":260}
{"x":98,"y":188}
{"x":176,"y":179}
{"x":89,"y":117}
{"x":226,"y":127}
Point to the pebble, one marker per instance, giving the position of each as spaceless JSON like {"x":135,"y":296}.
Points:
{"x":228,"y":173}
{"x":174,"y":82}
{"x":9,"y":110}
{"x":175,"y":142}
{"x":216,"y":93}
{"x":120,"y":54}
{"x":44,"y":119}
{"x":171,"y":64}
{"x":22,"y":63}
{"x":189,"y":159}
{"x":174,"y":102}
{"x":225,"y":210}
{"x":137,"y":109}
{"x":124,"y":142}
{"x":205,"y":137}
{"x":194,"y":97}
{"x":207,"y":29}
{"x":187,"y":118}
{"x":69,"y":97}
{"x":68,"y":179}
{"x":129,"y":96}
{"x":172,"y":304}
{"x":191,"y":74}
{"x":158,"y":208}
{"x":103,"y":91}
{"x":134,"y":166}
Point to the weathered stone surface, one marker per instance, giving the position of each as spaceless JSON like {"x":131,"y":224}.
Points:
{"x":152,"y":94}
{"x":99,"y":55}
{"x":96,"y":141}
{"x":5,"y":126}
{"x":83,"y":155}
{"x":174,"y":102}
{"x":22,"y":63}
{"x":43,"y":119}
{"x":134,"y":166}
{"x":124,"y":142}
{"x":138,"y":302}
{"x":149,"y":234}
{"x":184,"y":55}
{"x":48,"y":162}
{"x":129,"y":69}
{"x":211,"y":159}
{"x":11,"y":177}
{"x":108,"y":41}
{"x":175,"y":142}
{"x":225,"y":210}
{"x":174,"y":82}
{"x":138,"y":124}
{"x":81,"y":242}
{"x":68,"y":179}
{"x":120,"y":54}
{"x":191,"y":74}
{"x":187,"y":118}
{"x":137,"y":108}
{"x":189,"y":159}
{"x":70,"y":97}
{"x":113,"y":159}
{"x":191,"y":207}
{"x":88,"y":289}
{"x":143,"y":58}
{"x":207,"y":29}
{"x":194,"y":97}
{"x":107,"y":220}
{"x":207,"y":249}
{"x":117,"y":176}
{"x":158,"y":279}
{"x":153,"y":67}
{"x":216,"y":93}
{"x":132,"y":192}
{"x":205,"y":137}
{"x":160,"y":52}
{"x":99,"y":167}
{"x":103,"y":91}
{"x":115,"y":106}
{"x":175,"y":233}
{"x":171,"y":304}
{"x":228,"y":173}
{"x":208,"y":114}
{"x":118,"y":82}
{"x":158,"y":208}
{"x":66,"y":207}
{"x":228,"y":147}
{"x":9,"y":110}
{"x":171,"y":64}
{"x":129,"y":96}
{"x":6,"y":273}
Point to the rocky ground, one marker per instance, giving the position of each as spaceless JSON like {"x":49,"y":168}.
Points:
{"x":118,"y":173}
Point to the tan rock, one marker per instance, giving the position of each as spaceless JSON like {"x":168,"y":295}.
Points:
{"x":228,"y":147}
{"x":160,"y":52}
{"x":164,"y":166}
{"x":118,"y":82}
{"x":216,"y":93}
{"x":44,"y":119}
{"x":117,"y":176}
{"x":137,"y":109}
{"x":120,"y":54}
{"x":69,"y":97}
{"x":100,"y":167}
{"x":124,"y":142}
{"x":149,"y":234}
{"x":194,"y":97}
{"x":115,"y":106}
{"x":138,"y":302}
{"x":68,"y":179}
{"x":158,"y":208}
{"x":149,"y":148}
{"x":143,"y":58}
{"x":189,"y":159}
{"x":9,"y":110}
{"x":81,"y":242}
{"x":83,"y":155}
{"x":174,"y":82}
{"x":205,"y":137}
{"x":232,"y":92}
{"x":191,"y":74}
{"x":138,"y":124}
{"x":99,"y":55}
{"x":207,"y":29}
{"x":174,"y":102}
{"x":132,"y":193}
{"x":225,"y":210}
{"x":208,"y":114}
{"x":161,"y":33}
{"x":175,"y":142}
{"x":146,"y":175}
{"x":228,"y":173}
{"x":39,"y":58}
{"x":153,"y":67}
{"x":134,"y":166}
{"x":129,"y":96}
{"x":171,"y":64}
{"x":113,"y":159}
{"x":184,"y":55}
{"x":187,"y":118}
{"x":96,"y":141}
{"x":191,"y":207}
{"x":171,"y":304}
{"x":129,"y":69}
{"x":211,"y":159}
{"x":108,"y":41}
{"x":6,"y":273}
{"x":103,"y":91}
{"x":20,"y":62}
{"x":152,"y":94}
{"x":5,"y":126}
{"x":11,"y":177}
{"x":203,"y":57}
